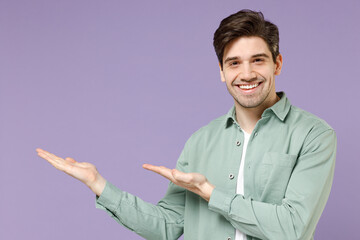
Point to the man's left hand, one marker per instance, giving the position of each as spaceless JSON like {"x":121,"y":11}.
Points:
{"x":194,"y":182}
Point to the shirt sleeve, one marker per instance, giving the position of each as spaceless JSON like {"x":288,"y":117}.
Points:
{"x":154,"y":222}
{"x":305,"y":198}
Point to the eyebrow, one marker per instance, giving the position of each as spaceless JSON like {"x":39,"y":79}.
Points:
{"x":253,"y":56}
{"x":260,"y":55}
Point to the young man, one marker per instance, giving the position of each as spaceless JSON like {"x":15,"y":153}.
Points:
{"x":262,"y":171}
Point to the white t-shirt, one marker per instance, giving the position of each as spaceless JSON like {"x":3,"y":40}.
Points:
{"x":240,"y":181}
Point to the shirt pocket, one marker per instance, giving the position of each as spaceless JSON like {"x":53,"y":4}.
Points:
{"x":275,"y":172}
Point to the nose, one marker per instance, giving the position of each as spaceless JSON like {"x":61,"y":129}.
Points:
{"x":246,"y":72}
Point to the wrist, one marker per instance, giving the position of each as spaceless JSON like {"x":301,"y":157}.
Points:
{"x":98,"y":185}
{"x":206,"y":190}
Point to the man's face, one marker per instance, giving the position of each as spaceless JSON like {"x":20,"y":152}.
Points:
{"x":249,"y":72}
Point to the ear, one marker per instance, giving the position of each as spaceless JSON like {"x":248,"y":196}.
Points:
{"x":222,"y":77}
{"x":278,"y":64}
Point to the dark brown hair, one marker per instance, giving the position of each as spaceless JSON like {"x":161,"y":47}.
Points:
{"x":246,"y":23}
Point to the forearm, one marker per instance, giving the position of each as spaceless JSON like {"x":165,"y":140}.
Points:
{"x":148,"y":220}
{"x":290,"y":220}
{"x":253,"y":218}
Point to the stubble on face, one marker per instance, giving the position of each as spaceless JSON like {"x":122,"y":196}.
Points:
{"x":248,"y":72}
{"x":252,"y":100}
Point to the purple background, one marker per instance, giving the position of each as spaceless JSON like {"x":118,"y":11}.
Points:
{"x":120,"y":83}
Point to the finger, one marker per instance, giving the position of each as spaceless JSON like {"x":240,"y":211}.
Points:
{"x":39,"y":150}
{"x":151,"y":167}
{"x":163,"y":171}
{"x":42,"y":151}
{"x":51,"y":155}
{"x":47,"y":156}
{"x":156,"y":169}
{"x":55,"y":162}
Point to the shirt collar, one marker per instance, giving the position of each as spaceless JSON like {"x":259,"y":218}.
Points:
{"x":280,"y":109}
{"x":230,"y":117}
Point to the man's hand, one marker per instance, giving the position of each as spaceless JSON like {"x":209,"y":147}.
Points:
{"x":85,"y":172}
{"x":194,"y":182}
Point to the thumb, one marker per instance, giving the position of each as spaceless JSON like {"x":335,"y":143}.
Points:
{"x":180,"y":176}
{"x":69,"y":159}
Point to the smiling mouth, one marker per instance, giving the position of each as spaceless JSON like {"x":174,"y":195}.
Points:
{"x":248,"y":86}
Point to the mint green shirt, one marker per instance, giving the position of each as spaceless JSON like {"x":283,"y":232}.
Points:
{"x":288,"y":174}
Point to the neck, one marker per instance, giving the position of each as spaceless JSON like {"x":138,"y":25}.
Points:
{"x":248,"y":117}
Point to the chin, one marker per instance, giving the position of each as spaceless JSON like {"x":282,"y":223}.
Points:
{"x":253,"y":103}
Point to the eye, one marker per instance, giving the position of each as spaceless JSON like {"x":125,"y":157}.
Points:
{"x":258,"y":60}
{"x":234,"y":63}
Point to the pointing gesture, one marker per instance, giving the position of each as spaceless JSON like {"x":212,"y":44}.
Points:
{"x":83,"y":171}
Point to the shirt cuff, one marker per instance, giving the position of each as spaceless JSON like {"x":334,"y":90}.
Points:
{"x":220,"y":201}
{"x":109,"y":199}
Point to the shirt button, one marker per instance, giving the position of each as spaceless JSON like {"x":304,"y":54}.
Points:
{"x":229,"y":238}
{"x":231,"y":176}
{"x":238,"y":143}
{"x":256,"y":134}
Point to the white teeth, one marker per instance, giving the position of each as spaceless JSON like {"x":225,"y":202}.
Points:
{"x":248,"y":86}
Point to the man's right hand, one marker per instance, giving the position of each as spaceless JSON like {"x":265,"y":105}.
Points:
{"x":83,"y":171}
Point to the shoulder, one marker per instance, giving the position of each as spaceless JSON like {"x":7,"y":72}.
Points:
{"x":211,"y":127}
{"x":208,"y":131}
{"x":306,"y":119}
{"x":310,"y":126}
